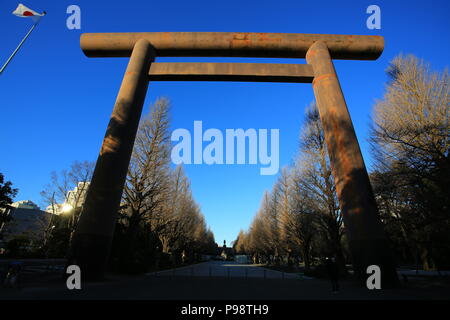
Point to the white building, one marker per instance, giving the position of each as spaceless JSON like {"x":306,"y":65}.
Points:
{"x":74,"y":199}
{"x":25,"y":204}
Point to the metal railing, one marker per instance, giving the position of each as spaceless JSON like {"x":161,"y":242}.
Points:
{"x":219,"y":271}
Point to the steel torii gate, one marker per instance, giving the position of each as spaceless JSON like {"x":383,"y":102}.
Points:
{"x":92,"y":239}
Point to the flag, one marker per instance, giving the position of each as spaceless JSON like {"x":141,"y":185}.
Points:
{"x":24,"y":12}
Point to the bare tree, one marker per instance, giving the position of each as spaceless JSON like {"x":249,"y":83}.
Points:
{"x":146,"y":185}
{"x":301,"y":207}
{"x":60,"y":190}
{"x":286,"y":219}
{"x":270,"y":217}
{"x":410,"y":139}
{"x":316,"y":179}
{"x":411,"y":123}
{"x":67,"y":191}
{"x":257,"y":245}
{"x":240,"y":245}
{"x":157,"y":201}
{"x":301,"y":225}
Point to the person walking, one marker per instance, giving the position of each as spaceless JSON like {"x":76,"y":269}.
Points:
{"x":333,"y":274}
{"x":12,"y":276}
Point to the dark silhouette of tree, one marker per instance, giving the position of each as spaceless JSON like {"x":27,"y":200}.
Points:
{"x":7,"y":193}
{"x":410,"y":139}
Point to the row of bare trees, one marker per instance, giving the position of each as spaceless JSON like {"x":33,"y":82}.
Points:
{"x":159,"y":223}
{"x":300,"y":217}
{"x":410,"y":138}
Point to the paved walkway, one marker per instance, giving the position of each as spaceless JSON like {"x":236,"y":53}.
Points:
{"x":220,"y":281}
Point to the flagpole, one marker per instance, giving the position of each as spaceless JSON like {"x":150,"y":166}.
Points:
{"x":18,"y":47}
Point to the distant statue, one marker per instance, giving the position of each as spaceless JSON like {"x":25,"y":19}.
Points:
{"x":225,"y":252}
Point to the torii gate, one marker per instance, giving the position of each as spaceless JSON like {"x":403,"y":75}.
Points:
{"x":92,"y":239}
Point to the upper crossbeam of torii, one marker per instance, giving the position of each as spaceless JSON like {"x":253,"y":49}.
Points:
{"x":232,"y":44}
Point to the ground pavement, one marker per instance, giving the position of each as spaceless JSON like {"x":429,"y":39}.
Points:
{"x":217,"y":280}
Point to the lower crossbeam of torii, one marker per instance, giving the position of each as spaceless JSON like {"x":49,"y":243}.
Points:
{"x":92,"y":239}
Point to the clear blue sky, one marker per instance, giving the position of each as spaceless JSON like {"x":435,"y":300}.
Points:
{"x":55,"y":103}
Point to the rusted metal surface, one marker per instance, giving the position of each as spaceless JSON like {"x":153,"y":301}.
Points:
{"x":256,"y":72}
{"x":367,"y":241}
{"x":232,"y":44}
{"x":92,"y":239}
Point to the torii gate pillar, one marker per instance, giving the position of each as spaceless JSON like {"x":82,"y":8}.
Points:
{"x":92,"y":239}
{"x":365,"y":232}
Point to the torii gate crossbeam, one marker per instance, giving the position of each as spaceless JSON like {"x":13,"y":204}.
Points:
{"x":92,"y":239}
